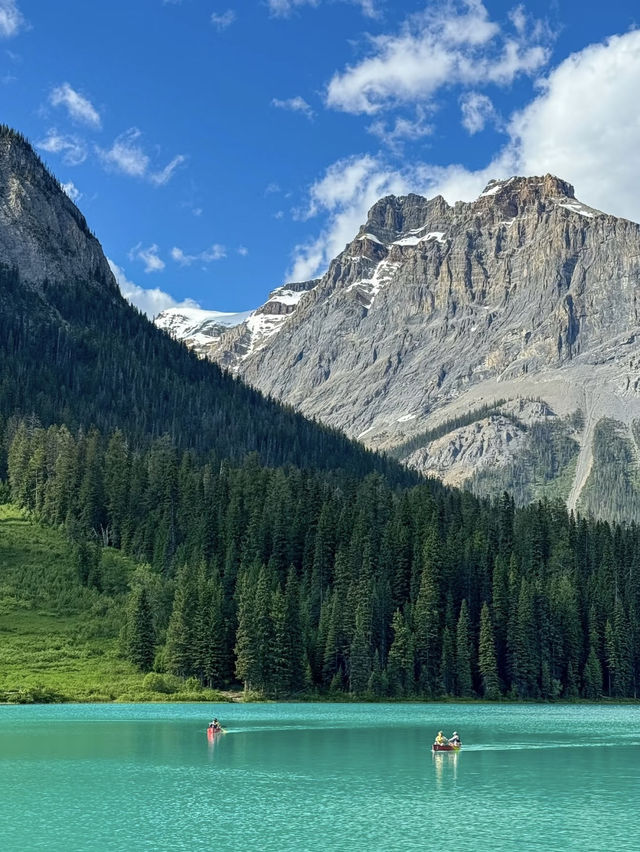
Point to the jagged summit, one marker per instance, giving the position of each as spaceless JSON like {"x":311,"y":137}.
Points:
{"x":396,"y":217}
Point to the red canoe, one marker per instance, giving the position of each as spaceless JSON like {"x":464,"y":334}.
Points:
{"x":437,"y":747}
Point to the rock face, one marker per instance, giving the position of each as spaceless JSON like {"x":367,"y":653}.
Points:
{"x":42,"y":232}
{"x":435,"y":311}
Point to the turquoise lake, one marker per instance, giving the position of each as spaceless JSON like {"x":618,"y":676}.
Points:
{"x":319,"y":777}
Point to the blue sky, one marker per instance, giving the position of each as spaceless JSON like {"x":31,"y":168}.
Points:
{"x":218,"y":149}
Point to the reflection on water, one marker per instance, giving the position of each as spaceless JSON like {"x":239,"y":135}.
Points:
{"x":213,"y":741}
{"x":445,"y":764}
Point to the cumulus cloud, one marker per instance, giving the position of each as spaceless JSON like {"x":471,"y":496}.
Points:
{"x":72,"y":191}
{"x":149,"y":256}
{"x":127,"y":156}
{"x":296,"y":104}
{"x":444,"y":45}
{"x":80,"y":109}
{"x":149,"y":301}
{"x":11,"y":19}
{"x":215,"y":252}
{"x":583,"y":127}
{"x":72,"y":149}
{"x":477,"y":110}
{"x":222,"y":20}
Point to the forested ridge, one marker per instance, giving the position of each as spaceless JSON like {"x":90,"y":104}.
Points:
{"x":296,"y":581}
{"x":79,"y":354}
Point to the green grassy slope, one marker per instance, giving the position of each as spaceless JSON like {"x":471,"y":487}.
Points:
{"x":59,"y":639}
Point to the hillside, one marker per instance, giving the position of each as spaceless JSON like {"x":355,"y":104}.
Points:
{"x":59,"y":639}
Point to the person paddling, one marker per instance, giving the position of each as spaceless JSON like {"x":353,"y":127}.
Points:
{"x":215,"y":726}
{"x":441,"y":739}
{"x":454,"y":740}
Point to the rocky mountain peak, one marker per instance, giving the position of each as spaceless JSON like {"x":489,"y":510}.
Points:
{"x":527,"y":189}
{"x":398,"y":214}
{"x":42,"y":232}
{"x":516,"y":195}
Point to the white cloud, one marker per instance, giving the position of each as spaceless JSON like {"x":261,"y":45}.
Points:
{"x":582,"y":127}
{"x":126,"y":155}
{"x":72,"y":148}
{"x":222,"y":20}
{"x":296,"y":104}
{"x":72,"y":191}
{"x":152,"y":301}
{"x":284,"y":8}
{"x":164,"y":175}
{"x":243,"y":251}
{"x":80,"y":109}
{"x":215,"y":252}
{"x":149,"y":256}
{"x":451,"y":44}
{"x":11,"y":19}
{"x":477,"y":111}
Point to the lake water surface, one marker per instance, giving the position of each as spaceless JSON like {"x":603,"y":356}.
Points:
{"x":319,"y":777}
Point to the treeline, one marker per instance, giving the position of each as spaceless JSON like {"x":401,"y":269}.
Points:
{"x":417,"y":442}
{"x":294,"y":581}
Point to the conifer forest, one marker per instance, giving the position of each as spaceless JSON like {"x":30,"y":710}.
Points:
{"x":294,"y":582}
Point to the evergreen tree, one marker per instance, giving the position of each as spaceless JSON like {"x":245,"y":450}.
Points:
{"x":487,"y":663}
{"x":181,"y":633}
{"x":426,"y":618}
{"x":139,"y":631}
{"x":400,"y":663}
{"x":592,"y":676}
{"x":246,"y":648}
{"x":464,"y":679}
{"x":447,"y":664}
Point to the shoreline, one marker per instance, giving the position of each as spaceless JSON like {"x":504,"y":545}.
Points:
{"x":237,"y":697}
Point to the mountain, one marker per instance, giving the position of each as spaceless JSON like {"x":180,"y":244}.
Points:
{"x":293,"y":582}
{"x":74,"y":352}
{"x":205,"y":331}
{"x":494,"y":343}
